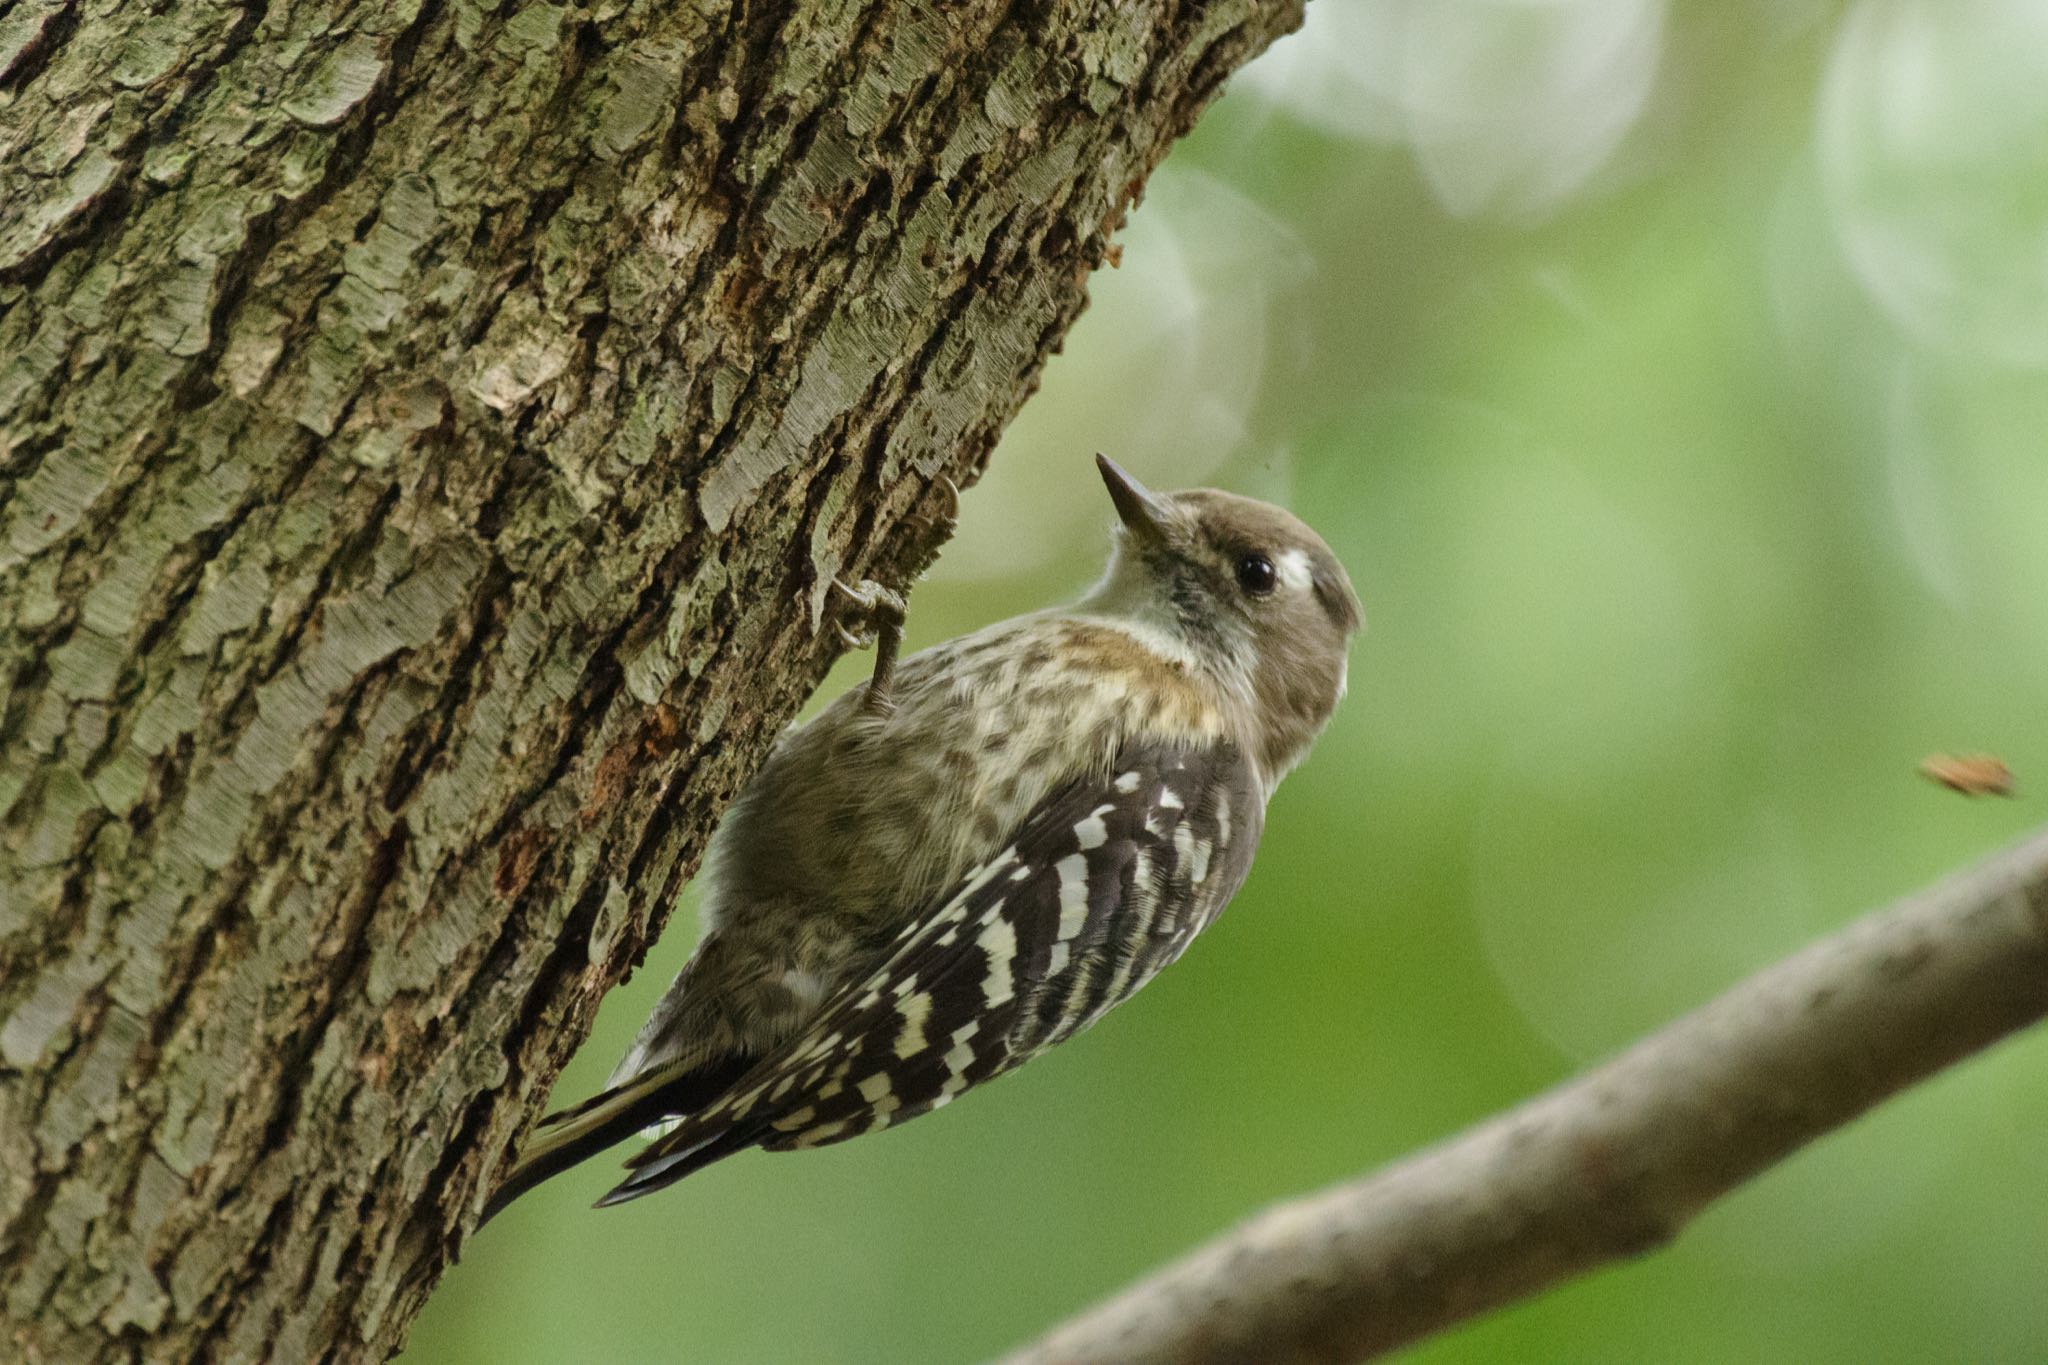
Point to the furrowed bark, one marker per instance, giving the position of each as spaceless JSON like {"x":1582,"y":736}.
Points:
{"x":427,"y":431}
{"x":1609,"y":1165}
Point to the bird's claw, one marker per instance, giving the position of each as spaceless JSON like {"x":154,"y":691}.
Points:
{"x":946,"y":518}
{"x":881,"y":612}
{"x":952,"y":512}
{"x":873,"y":606}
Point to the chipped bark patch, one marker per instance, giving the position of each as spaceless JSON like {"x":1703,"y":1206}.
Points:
{"x":518,"y":856}
{"x":608,"y":780}
{"x":664,"y":731}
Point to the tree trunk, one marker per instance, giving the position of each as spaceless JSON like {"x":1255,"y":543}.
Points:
{"x":427,"y":432}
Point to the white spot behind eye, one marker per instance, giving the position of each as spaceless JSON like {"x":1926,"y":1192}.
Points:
{"x":1294,"y":569}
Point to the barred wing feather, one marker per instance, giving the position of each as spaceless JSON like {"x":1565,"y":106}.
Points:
{"x":1101,"y":886}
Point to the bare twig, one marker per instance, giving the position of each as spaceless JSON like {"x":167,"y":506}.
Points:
{"x":1613,"y":1163}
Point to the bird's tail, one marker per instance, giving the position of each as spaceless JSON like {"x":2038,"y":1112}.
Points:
{"x":572,"y":1135}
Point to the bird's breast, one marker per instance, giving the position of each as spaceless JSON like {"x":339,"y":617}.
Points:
{"x":872,"y":816}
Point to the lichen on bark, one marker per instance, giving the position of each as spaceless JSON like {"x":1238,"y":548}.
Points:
{"x":426,"y":433}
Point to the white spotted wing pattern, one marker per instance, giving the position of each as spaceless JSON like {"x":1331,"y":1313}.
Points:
{"x":1103,"y":884}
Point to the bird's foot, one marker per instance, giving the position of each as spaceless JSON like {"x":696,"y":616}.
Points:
{"x":874,"y":610}
{"x":880,"y":612}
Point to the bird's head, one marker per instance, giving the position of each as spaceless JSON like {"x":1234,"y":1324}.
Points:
{"x":1243,"y":592}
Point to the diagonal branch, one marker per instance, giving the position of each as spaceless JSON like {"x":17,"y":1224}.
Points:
{"x":1615,"y":1162}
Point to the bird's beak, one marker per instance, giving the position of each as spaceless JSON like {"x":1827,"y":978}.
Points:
{"x":1144,"y":514}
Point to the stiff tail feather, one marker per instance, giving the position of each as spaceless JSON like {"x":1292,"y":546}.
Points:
{"x":572,"y":1135}
{"x":654,"y":1169}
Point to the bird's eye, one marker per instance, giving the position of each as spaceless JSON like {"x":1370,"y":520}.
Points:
{"x":1255,"y":574}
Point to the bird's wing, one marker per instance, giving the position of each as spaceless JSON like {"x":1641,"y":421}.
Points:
{"x":1104,"y":883}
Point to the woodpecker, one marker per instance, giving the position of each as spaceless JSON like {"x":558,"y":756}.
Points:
{"x":983,"y":848}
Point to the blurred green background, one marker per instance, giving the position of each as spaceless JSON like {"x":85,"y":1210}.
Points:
{"x":1673,"y":378}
